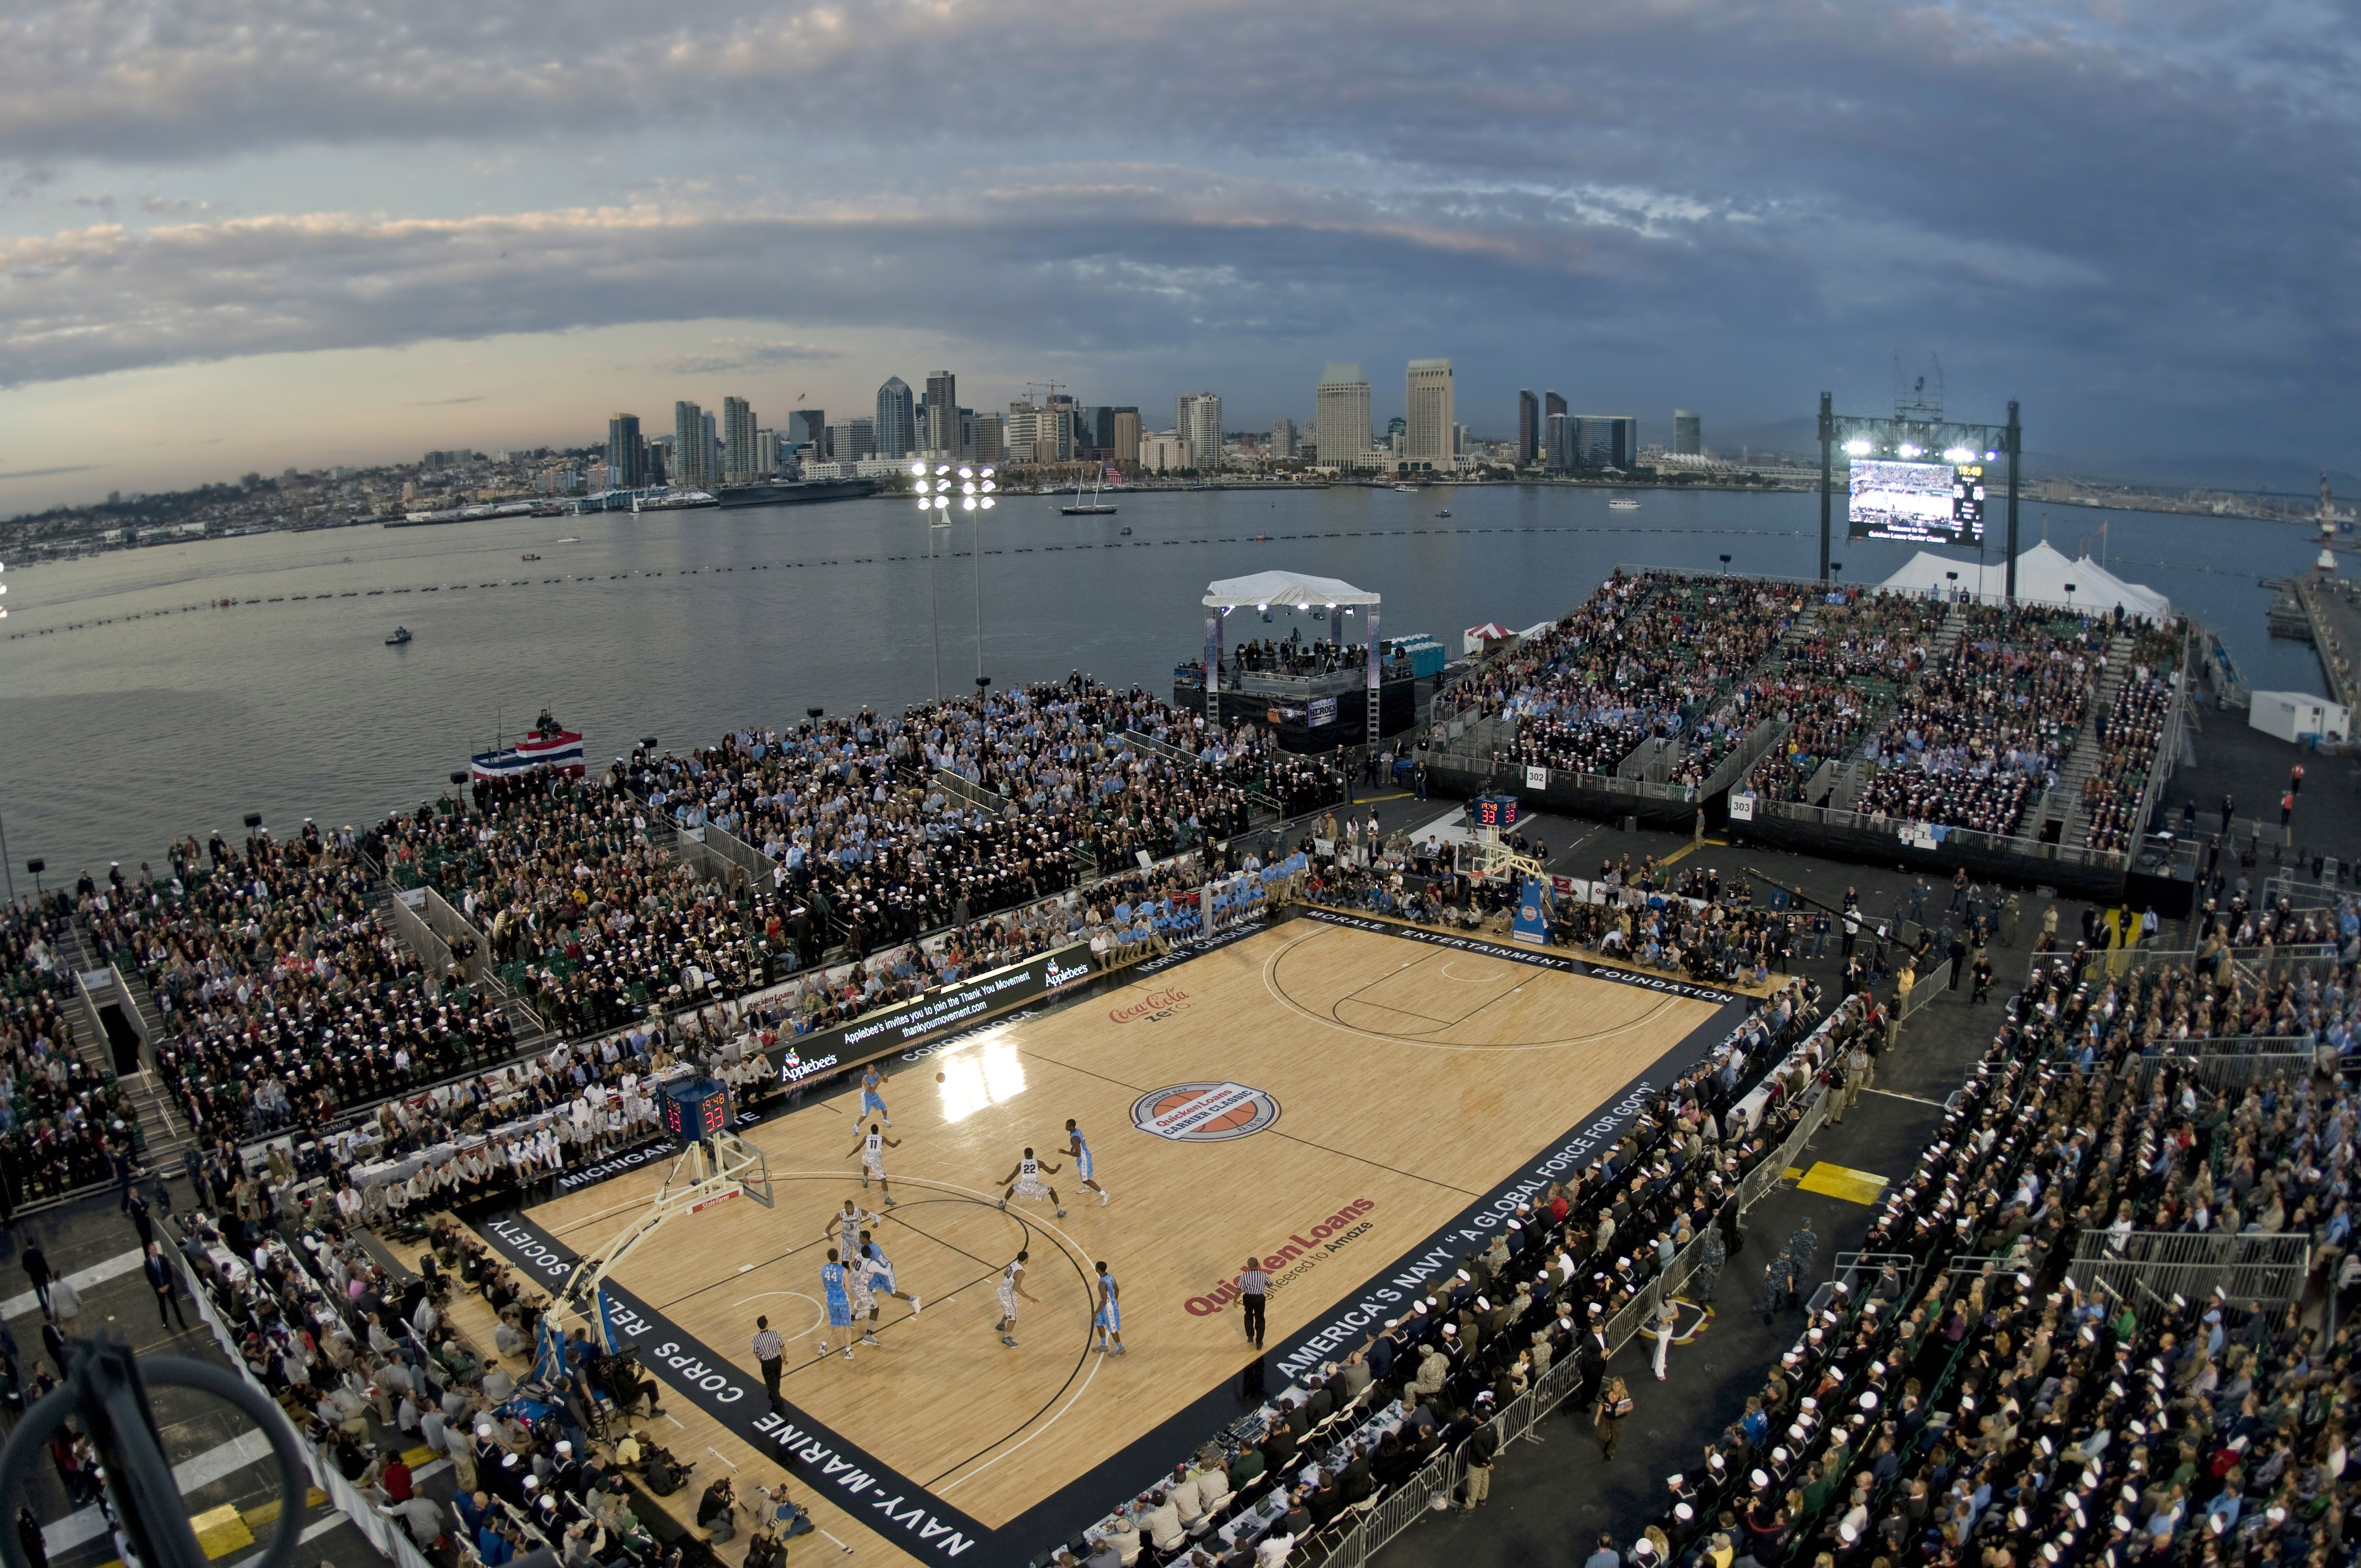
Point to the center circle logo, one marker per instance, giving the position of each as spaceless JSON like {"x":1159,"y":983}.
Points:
{"x":1203,"y":1112}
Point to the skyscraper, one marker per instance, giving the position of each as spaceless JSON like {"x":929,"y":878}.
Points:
{"x":1282,"y":438}
{"x":1689,"y":434}
{"x":740,"y":462}
{"x":1528,"y":428}
{"x":1557,"y":440}
{"x":808,"y":427}
{"x":687,"y":465}
{"x":1125,"y":446}
{"x":856,"y":438}
{"x":942,"y":414}
{"x":1606,"y":440}
{"x":1023,"y":429}
{"x":712,"y":464}
{"x":1426,"y":392}
{"x":1199,"y":424}
{"x":897,"y":423}
{"x":1551,"y":404}
{"x":627,"y":455}
{"x":1340,"y":416}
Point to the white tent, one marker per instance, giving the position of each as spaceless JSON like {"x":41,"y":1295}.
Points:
{"x":2043,"y":576}
{"x":1284,"y":588}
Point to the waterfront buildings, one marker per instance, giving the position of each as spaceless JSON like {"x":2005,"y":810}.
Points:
{"x":685,"y":468}
{"x":1606,"y":440}
{"x":1198,"y":426}
{"x":627,"y":453}
{"x":1528,"y":428}
{"x":740,"y":465}
{"x":897,"y":421}
{"x":1340,"y":416}
{"x":1428,"y":433}
{"x":1689,"y":434}
{"x":944,"y":432}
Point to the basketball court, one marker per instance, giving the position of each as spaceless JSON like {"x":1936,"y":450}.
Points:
{"x":1352,"y":1103}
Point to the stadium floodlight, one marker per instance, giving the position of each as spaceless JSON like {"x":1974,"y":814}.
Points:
{"x":918,"y":471}
{"x":1958,"y":455}
{"x":1908,"y":450}
{"x":1858,"y":446}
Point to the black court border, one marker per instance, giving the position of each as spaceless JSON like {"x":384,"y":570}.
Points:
{"x":903,"y":1512}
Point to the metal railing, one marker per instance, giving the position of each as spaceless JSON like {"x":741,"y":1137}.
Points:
{"x":1878,"y":824}
{"x":2191,"y":1265}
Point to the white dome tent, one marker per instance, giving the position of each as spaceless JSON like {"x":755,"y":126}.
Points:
{"x":2043,"y":576}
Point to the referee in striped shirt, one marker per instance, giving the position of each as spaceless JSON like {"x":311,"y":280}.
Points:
{"x":768,"y":1348}
{"x":1253,"y":1286}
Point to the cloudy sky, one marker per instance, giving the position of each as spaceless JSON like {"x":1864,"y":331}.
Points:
{"x":239,"y":234}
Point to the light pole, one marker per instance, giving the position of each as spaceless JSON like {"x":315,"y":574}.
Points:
{"x":975,"y":496}
{"x":933,"y":491}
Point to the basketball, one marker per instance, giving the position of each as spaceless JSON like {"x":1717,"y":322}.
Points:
{"x":939,"y":1078}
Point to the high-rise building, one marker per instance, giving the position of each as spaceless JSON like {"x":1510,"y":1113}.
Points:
{"x":808,"y":427}
{"x":627,"y":454}
{"x":855,"y":439}
{"x":739,"y":465}
{"x":1606,"y":440}
{"x":1426,"y":392}
{"x":1689,"y":434}
{"x":1340,"y":416}
{"x":1551,"y":404}
{"x":897,"y":424}
{"x":1163,"y":452}
{"x":1557,"y":440}
{"x":1023,"y":429}
{"x":766,"y":452}
{"x":1124,"y":448}
{"x":942,"y":405}
{"x":687,"y":464}
{"x":1198,"y":426}
{"x":1528,"y":428}
{"x":1282,"y":438}
{"x":984,"y":438}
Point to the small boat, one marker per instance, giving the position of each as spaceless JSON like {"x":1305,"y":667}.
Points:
{"x":1404,"y":490}
{"x":401,"y":635}
{"x":1126,"y":527}
{"x":569,"y":539}
{"x":1622,"y":503}
{"x":1444,"y":512}
{"x":528,"y":557}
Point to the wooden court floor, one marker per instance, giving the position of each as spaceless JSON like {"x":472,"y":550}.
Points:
{"x":1408,"y":1077}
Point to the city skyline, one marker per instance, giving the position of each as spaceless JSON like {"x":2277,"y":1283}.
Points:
{"x":401,"y":246}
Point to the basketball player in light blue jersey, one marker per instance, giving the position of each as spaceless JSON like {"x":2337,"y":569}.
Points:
{"x":1109,"y":1321}
{"x":1083,"y":1164}
{"x":872,"y":1084}
{"x":839,"y":1304}
{"x":881,"y":1278}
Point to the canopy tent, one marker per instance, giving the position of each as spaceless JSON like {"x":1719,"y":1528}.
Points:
{"x":1476,"y":638}
{"x":1265,"y":588}
{"x":2043,"y":576}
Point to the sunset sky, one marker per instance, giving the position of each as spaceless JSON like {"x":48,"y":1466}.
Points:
{"x":239,"y":235}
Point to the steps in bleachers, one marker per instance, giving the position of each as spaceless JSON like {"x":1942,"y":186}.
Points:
{"x":2063,"y":804}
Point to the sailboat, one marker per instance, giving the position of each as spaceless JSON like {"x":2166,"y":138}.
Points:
{"x":1093,"y":507}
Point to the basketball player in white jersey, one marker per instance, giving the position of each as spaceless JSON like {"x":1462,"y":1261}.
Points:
{"x":1083,"y":1162}
{"x":871,"y":1149}
{"x":880,"y":1269}
{"x":1109,"y":1321}
{"x":859,"y":1300}
{"x":1012,"y":1286}
{"x":846,"y":1224}
{"x":1025,"y":1182}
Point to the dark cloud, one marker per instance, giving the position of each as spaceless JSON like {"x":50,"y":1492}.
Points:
{"x":2138,"y":218}
{"x":739,"y":354}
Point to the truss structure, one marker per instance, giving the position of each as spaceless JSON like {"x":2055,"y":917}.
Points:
{"x":711,"y":1171}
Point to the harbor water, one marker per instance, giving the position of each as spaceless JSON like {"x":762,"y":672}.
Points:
{"x":129,"y":715}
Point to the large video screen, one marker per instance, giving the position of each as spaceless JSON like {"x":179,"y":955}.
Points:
{"x":1923,"y":503}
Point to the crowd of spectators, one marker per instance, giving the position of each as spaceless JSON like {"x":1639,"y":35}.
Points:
{"x":282,"y":1000}
{"x":1648,"y":655}
{"x":2128,"y":735}
{"x":589,"y":920}
{"x":1491,"y":1322}
{"x":1970,"y":739}
{"x":529,"y":1440}
{"x":1862,"y":646}
{"x":2002,"y":1411}
{"x":62,"y":1122}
